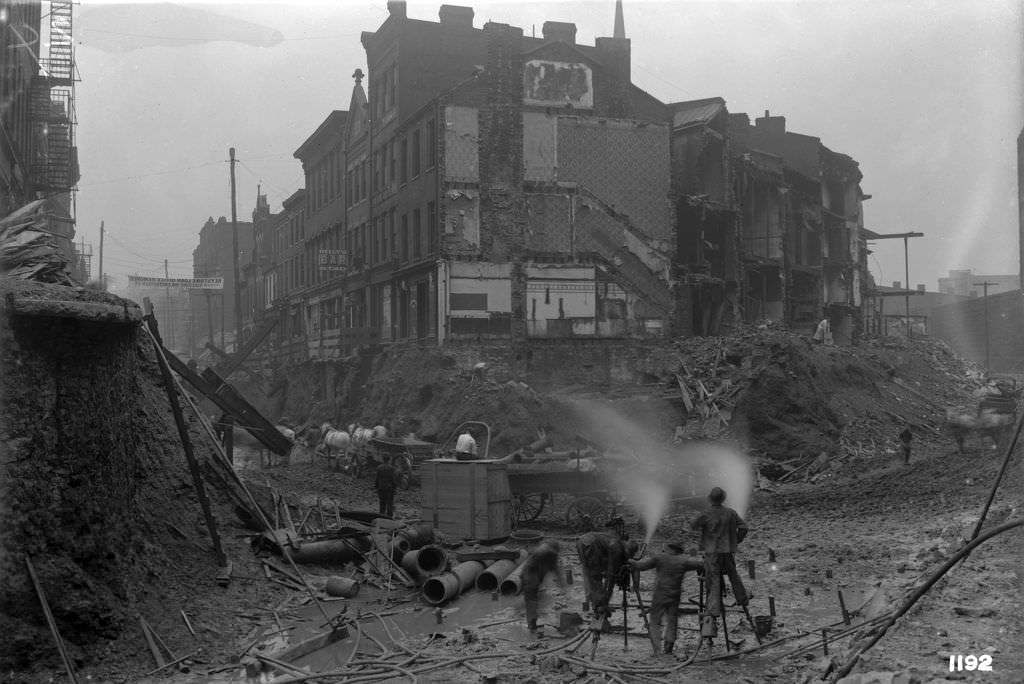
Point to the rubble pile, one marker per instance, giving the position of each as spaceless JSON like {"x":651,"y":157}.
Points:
{"x":791,"y":400}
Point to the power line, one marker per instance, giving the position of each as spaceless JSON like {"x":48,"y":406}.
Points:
{"x":232,"y":39}
{"x":148,"y":175}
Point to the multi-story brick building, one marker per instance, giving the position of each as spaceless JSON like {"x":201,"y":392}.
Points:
{"x":213,"y":258}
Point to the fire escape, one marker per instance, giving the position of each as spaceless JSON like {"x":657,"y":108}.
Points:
{"x":54,"y":169}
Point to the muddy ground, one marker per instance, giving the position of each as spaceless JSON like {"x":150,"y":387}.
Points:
{"x":872,"y":529}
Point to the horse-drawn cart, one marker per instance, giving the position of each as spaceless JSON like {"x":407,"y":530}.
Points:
{"x":405,"y":453}
{"x":534,"y":486}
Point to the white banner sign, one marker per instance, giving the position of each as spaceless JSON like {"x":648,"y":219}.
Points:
{"x":186,"y":283}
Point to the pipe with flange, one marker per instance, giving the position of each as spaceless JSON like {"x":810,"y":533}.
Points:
{"x":491,"y":578}
{"x":438,"y":590}
{"x":414,"y":537}
{"x":428,"y":561}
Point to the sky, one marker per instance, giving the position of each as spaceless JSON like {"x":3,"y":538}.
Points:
{"x":925,"y":94}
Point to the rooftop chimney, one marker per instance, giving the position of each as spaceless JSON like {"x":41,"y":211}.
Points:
{"x":560,"y":30}
{"x":920,"y":288}
{"x":397,"y":8}
{"x":456,"y":15}
{"x":897,"y":285}
{"x":774,"y":125}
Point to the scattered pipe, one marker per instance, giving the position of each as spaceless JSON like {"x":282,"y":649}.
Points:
{"x":513,"y":584}
{"x":437,"y":590}
{"x":414,"y":537}
{"x":328,"y":551}
{"x":428,"y":561}
{"x":491,"y":578}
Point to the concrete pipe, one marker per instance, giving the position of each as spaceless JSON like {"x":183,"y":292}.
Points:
{"x":491,"y":578}
{"x":329,"y":551}
{"x":513,"y":583}
{"x":438,"y":590}
{"x":342,"y":586}
{"x":427,"y":562}
{"x":414,"y":537}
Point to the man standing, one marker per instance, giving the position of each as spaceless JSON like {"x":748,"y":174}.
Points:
{"x":386,"y":483}
{"x":671,"y":567}
{"x":905,"y":438}
{"x":603,"y":557}
{"x":721,"y":530}
{"x":541,"y":561}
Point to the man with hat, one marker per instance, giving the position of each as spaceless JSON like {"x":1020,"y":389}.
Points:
{"x":603,"y":557}
{"x":670,"y":567}
{"x":721,"y":530}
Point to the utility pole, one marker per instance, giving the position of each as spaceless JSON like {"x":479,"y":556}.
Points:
{"x":906,"y":266}
{"x":236,"y":290}
{"x":103,"y":281}
{"x":167,"y":297}
{"x":988,"y":364}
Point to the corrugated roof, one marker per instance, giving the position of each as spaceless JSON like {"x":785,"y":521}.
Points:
{"x":696,"y":111}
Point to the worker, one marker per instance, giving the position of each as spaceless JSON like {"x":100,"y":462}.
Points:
{"x":465,"y":447}
{"x":541,"y":562}
{"x":603,"y":557}
{"x":386,"y":483}
{"x":905,"y":438}
{"x":721,"y":529}
{"x":670,"y":568}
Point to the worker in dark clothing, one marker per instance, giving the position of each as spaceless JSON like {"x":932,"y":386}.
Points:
{"x":386,"y":483}
{"x":671,"y":567}
{"x":542,"y":561}
{"x":905,"y":438}
{"x":603,"y":557}
{"x":721,"y":530}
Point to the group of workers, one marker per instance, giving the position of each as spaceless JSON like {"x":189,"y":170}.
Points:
{"x":607,"y":562}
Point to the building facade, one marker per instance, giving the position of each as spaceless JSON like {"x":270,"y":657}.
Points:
{"x":965,"y":283}
{"x":213,"y":258}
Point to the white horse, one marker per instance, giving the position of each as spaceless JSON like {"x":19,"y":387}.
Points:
{"x":331,"y":439}
{"x":360,"y":436}
{"x":379,"y":432}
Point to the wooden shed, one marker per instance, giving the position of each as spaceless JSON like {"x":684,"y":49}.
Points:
{"x":467,"y":499}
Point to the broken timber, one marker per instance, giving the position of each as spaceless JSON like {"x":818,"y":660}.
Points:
{"x":97,"y":312}
{"x":228,"y":400}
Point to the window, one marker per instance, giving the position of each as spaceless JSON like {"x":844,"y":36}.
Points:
{"x":415,"y":153}
{"x":431,"y":227}
{"x":403,"y":160}
{"x":388,"y":237}
{"x":404,"y":237}
{"x":417,"y":242}
{"x":391,"y":160}
{"x":431,"y":144}
{"x":364,"y":179}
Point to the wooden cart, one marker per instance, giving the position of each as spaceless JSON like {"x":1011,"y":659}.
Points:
{"x":533,"y":488}
{"x":405,"y":453}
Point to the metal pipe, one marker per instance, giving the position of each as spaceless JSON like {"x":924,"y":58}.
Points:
{"x":491,"y":578}
{"x":513,"y":584}
{"x":438,"y":590}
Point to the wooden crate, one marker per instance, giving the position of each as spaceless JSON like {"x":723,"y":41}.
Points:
{"x":467,"y":499}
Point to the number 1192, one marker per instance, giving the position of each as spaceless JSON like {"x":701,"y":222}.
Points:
{"x":960,"y":662}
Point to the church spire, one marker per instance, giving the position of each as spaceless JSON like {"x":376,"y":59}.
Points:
{"x":620,"y":26}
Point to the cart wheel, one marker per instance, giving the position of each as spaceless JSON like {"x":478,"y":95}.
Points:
{"x":585,"y":513}
{"x":526,"y":507}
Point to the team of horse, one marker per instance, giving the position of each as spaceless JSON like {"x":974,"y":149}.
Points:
{"x":346,"y":444}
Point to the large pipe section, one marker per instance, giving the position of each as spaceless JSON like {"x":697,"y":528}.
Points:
{"x":438,"y":590}
{"x":414,"y":537}
{"x":329,"y":551}
{"x":425,"y":562}
{"x":491,"y":578}
{"x":513,"y":583}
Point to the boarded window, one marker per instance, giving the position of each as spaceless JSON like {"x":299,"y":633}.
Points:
{"x":469,"y":301}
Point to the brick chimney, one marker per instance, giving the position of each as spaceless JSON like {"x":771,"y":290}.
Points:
{"x":560,"y":30}
{"x":456,"y":15}
{"x":772,"y":125}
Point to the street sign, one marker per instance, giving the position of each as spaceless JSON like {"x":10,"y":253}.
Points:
{"x":332,"y":260}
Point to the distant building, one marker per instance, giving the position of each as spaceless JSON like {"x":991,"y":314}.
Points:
{"x":213,"y":258}
{"x":888,"y":309}
{"x":966,"y":284}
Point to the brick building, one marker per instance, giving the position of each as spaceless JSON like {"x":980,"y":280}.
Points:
{"x":213,"y":258}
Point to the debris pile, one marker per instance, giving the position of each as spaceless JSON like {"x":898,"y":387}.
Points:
{"x":28,"y":247}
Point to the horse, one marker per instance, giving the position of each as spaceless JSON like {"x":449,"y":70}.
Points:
{"x":379,"y":432}
{"x":331,"y":438}
{"x":987,"y":422}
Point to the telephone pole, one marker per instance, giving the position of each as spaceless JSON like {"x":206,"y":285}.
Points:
{"x":167,"y":298}
{"x":236,"y":290}
{"x":988,"y":364}
{"x":103,"y":281}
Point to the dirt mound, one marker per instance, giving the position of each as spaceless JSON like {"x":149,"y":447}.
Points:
{"x":95,"y":491}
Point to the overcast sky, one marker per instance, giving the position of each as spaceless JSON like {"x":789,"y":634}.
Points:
{"x":926,"y":95}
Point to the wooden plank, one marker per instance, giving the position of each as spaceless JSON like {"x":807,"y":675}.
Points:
{"x":157,"y":656}
{"x":236,"y":360}
{"x":68,"y":665}
{"x":304,"y":648}
{"x":494,"y":555}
